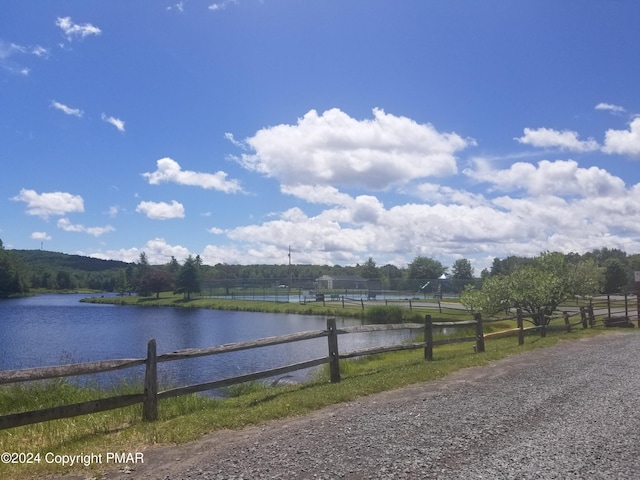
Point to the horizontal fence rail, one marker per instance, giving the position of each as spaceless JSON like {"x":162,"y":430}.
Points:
{"x":612,"y":311}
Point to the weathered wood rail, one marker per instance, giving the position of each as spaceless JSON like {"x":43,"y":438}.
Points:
{"x":151,"y":395}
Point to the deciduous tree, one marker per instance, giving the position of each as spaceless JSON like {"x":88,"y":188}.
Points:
{"x":462,"y":269}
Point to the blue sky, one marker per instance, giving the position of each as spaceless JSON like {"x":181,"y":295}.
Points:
{"x":235,"y":129}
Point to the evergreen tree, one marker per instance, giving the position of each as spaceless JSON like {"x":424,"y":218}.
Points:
{"x":188,"y":280}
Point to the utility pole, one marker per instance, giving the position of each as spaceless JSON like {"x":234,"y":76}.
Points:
{"x":290,"y":274}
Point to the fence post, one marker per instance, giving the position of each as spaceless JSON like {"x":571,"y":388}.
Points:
{"x":334,"y":356}
{"x":608,"y":307}
{"x":479,"y":333}
{"x":428,"y":338}
{"x":362,"y":303}
{"x":150,"y":402}
{"x":592,"y":317}
{"x":520,"y":324}
{"x":583,"y":315}
{"x":626,"y":305}
{"x":567,"y":322}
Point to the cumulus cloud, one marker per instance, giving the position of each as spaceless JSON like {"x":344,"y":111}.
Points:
{"x":116,"y":122}
{"x":157,"y":250}
{"x":320,"y":194}
{"x":40,"y":236}
{"x":624,"y":142}
{"x":49,"y":204}
{"x":348,"y":232}
{"x":76,"y":112}
{"x":550,"y":138}
{"x":561,"y":177}
{"x":610,"y":108}
{"x":169,"y":170}
{"x":434,"y":193}
{"x":66,"y":225}
{"x":73,"y":30}
{"x":346,"y":235}
{"x":161,"y":210}
{"x":336,"y":149}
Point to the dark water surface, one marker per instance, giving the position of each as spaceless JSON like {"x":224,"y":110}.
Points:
{"x":59,"y":329}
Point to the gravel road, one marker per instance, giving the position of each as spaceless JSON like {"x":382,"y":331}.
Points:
{"x":568,"y":411}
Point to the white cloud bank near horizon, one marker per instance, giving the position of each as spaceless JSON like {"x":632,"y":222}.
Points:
{"x":435,"y":209}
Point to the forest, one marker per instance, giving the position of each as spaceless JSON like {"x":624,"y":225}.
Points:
{"x":31,"y":271}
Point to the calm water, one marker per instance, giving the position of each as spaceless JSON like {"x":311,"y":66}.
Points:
{"x":58,"y":329}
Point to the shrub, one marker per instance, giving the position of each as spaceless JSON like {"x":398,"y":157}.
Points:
{"x":384,"y":314}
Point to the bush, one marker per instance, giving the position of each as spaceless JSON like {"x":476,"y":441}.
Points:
{"x":384,"y":314}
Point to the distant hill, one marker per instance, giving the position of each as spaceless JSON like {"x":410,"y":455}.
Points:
{"x":44,"y":260}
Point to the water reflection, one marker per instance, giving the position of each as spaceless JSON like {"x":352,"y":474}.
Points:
{"x":58,"y":329}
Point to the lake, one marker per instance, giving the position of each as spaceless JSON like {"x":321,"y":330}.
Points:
{"x":58,"y":329}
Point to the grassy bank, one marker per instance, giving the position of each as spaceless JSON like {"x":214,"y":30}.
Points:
{"x":376,"y":311}
{"x":187,"y":418}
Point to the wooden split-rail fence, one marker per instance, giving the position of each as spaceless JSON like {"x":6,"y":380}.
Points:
{"x":151,"y":395}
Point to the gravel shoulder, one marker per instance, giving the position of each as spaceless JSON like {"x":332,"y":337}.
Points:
{"x":567,"y":411}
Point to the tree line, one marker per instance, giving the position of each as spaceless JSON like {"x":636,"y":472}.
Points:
{"x":21,"y":271}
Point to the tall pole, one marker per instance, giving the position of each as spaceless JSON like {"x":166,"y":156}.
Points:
{"x":290,"y":274}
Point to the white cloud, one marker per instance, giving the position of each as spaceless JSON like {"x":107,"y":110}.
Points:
{"x":562,"y":177}
{"x":178,"y":6}
{"x":624,"y":142}
{"x":222,"y":5}
{"x":40,"y":236}
{"x":7,"y":50}
{"x":550,"y":138}
{"x":170,"y":171}
{"x":116,"y":122}
{"x":319,"y":194}
{"x":39,"y":51}
{"x":67,"y":110}
{"x":335,"y":149}
{"x":10,"y":50}
{"x":214,"y":254}
{"x":558,"y":205}
{"x":74,"y":30}
{"x":66,"y":225}
{"x":434,"y":193}
{"x":157,"y":250}
{"x":610,"y":108}
{"x":161,"y":210}
{"x":52,"y":203}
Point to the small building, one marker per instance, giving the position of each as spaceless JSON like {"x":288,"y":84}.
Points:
{"x":341,"y":282}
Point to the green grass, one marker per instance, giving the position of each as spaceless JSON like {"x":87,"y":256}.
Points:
{"x":187,"y":418}
{"x":372,"y":312}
